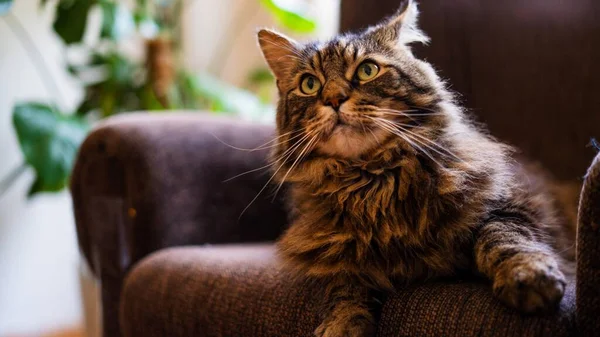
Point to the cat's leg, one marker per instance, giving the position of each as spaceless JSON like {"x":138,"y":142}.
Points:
{"x":345,"y":310}
{"x":524,"y":271}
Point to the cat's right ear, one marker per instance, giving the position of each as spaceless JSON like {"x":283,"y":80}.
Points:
{"x":280,"y":52}
{"x":401,"y":28}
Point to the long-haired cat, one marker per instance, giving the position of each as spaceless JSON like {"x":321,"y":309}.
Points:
{"x":390,"y":183}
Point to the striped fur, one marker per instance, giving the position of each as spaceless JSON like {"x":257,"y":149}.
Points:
{"x":381,"y":198}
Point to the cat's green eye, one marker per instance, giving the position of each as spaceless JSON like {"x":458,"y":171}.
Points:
{"x":367,"y":71}
{"x":310,"y":85}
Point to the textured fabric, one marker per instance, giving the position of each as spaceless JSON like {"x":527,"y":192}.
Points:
{"x":144,"y":182}
{"x":588,"y":253}
{"x":240,"y":291}
{"x":524,"y":67}
{"x":468,"y":309}
{"x":214,"y":291}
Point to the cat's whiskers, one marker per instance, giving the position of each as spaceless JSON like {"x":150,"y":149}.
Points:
{"x":406,"y":129}
{"x":370,"y":131}
{"x":275,"y":161}
{"x":403,"y":127}
{"x":266,"y":146}
{"x":294,"y":146}
{"x":411,"y":136}
{"x":363,"y":127}
{"x":375,"y":137}
{"x":291,"y":150}
{"x":260,"y":147}
{"x":402,"y":112}
{"x":408,"y":113}
{"x":302,"y":154}
{"x":411,"y":141}
{"x":298,"y":133}
{"x":426,"y":109}
{"x":270,"y":164}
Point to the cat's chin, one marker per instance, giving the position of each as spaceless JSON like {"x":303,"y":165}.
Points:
{"x":348,"y":142}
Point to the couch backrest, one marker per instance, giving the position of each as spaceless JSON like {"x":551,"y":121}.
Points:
{"x":529,"y":69}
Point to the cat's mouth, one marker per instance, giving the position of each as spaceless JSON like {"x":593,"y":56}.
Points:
{"x":344,"y":120}
{"x":342,"y":126}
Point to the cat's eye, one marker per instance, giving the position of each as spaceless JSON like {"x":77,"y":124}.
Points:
{"x":366,"y":71}
{"x":310,"y":85}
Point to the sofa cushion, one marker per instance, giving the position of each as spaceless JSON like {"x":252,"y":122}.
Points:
{"x":239,"y":290}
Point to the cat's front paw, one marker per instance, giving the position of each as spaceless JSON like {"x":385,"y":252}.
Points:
{"x":346,"y":327}
{"x":530,"y":283}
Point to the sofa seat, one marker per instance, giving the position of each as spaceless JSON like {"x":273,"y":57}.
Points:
{"x":239,"y":290}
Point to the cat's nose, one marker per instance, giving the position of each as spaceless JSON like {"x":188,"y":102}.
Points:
{"x":336,"y":99}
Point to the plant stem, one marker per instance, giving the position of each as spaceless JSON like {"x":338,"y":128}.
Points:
{"x":12,"y":176}
{"x":35,"y":55}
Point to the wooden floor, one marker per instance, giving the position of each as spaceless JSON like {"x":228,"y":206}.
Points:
{"x":62,"y":333}
{"x":66,"y":333}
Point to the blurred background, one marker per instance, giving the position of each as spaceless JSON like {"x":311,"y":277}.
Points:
{"x":65,"y":65}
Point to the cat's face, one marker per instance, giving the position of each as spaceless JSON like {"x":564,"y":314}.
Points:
{"x":346,"y":96}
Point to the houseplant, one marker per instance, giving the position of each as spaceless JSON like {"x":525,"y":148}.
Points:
{"x":49,"y":134}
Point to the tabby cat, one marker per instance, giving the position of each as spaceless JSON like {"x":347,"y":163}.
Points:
{"x":390,"y":183}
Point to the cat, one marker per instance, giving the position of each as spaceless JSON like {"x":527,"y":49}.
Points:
{"x":390,"y":183}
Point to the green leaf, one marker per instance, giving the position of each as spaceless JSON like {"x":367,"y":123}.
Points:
{"x":89,"y":103}
{"x":117,"y":20}
{"x":262,"y":82}
{"x":71,"y":19}
{"x":260,"y":76}
{"x":49,"y":141}
{"x":109,"y":13}
{"x":5,"y":6}
{"x":289,"y":18}
{"x":146,"y":23}
{"x":149,"y":100}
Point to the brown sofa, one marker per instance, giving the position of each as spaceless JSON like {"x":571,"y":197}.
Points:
{"x":163,"y":233}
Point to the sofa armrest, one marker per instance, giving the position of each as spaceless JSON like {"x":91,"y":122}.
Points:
{"x":143,"y":182}
{"x":588,"y":253}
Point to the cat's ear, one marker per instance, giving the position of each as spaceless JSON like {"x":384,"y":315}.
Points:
{"x":402,"y":27}
{"x":280,"y":52}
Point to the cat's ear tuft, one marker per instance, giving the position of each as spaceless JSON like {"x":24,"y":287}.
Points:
{"x":280,"y":52}
{"x":402,"y":27}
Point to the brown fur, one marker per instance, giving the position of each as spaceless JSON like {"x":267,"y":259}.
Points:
{"x":391,"y":183}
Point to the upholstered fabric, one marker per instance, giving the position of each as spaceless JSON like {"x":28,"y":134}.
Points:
{"x":588,"y":253}
{"x":143,"y":182}
{"x":214,"y":291}
{"x":240,"y":291}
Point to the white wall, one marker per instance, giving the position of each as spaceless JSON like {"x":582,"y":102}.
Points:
{"x":39,"y":286}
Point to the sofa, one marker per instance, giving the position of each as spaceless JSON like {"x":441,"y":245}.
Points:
{"x":161,"y":226}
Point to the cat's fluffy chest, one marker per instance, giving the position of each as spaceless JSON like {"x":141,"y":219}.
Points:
{"x":378,"y":223}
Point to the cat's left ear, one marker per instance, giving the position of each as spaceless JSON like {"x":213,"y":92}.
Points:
{"x":280,"y":52}
{"x":402,"y":27}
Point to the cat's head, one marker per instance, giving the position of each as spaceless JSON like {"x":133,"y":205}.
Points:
{"x":346,"y":96}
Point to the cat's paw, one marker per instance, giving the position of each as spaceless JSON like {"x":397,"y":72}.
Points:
{"x":354,"y":327}
{"x":530,"y":283}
